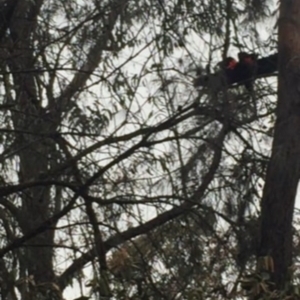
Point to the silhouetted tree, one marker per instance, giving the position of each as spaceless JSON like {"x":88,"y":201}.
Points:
{"x":119,"y":179}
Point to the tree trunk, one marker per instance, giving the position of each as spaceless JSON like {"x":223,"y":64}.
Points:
{"x":29,"y":116}
{"x":283,"y":170}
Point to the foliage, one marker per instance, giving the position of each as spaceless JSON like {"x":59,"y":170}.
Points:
{"x":118,"y":178}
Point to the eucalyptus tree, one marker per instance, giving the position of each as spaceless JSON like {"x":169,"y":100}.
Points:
{"x":119,"y":178}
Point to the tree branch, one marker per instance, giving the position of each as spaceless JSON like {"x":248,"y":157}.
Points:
{"x":93,"y":57}
{"x":161,"y":219}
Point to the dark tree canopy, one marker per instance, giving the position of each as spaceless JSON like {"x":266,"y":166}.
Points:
{"x":119,"y":178}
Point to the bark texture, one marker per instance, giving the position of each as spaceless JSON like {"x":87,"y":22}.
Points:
{"x":284,"y":167}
